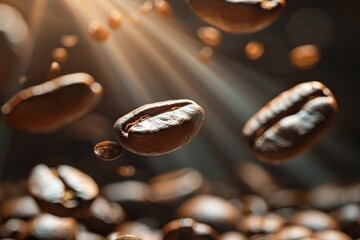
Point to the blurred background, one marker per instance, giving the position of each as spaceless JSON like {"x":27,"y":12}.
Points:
{"x":153,"y":58}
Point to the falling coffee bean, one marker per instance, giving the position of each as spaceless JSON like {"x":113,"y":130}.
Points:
{"x":51,"y":105}
{"x":108,"y":150}
{"x":240,"y":16}
{"x":159,"y":128}
{"x":292,"y":123}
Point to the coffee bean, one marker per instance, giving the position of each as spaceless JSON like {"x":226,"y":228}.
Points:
{"x":119,"y":236}
{"x":233,"y":235}
{"x":331,"y":235}
{"x":238,"y":16}
{"x":292,"y":123}
{"x":62,"y":191}
{"x":103,"y":216}
{"x":48,"y":227}
{"x":51,"y":105}
{"x":11,"y":228}
{"x":22,"y":207}
{"x":108,"y":150}
{"x":187,"y":228}
{"x":266,"y":224}
{"x":292,"y":233}
{"x":212,"y":210}
{"x":160,"y":127}
{"x":314,"y":220}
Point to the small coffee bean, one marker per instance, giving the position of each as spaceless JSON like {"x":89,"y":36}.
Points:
{"x":108,"y":150}
{"x":238,"y":16}
{"x":160,"y":127}
{"x":292,"y":123}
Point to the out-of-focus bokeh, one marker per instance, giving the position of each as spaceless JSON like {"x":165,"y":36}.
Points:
{"x":153,"y":55}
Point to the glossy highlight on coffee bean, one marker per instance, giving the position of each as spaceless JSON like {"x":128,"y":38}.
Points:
{"x":53,"y":104}
{"x":292,"y":123}
{"x":160,"y":127}
{"x":238,"y":16}
{"x":108,"y":150}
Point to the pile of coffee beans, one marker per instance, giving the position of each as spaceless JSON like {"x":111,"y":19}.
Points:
{"x":63,"y":202}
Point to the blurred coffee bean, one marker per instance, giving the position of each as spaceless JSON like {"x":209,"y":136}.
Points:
{"x":176,"y":185}
{"x":118,"y":236}
{"x":305,"y":57}
{"x":314,"y":220}
{"x":22,"y":207}
{"x":254,"y":205}
{"x":331,"y":235}
{"x":212,"y":210}
{"x":146,"y":7}
{"x":131,"y":195}
{"x":163,"y":9}
{"x":254,"y":50}
{"x":287,"y":198}
{"x":62,"y":191}
{"x":348,"y":217}
{"x":238,"y":16}
{"x":159,"y":128}
{"x":108,"y":150}
{"x":11,"y":228}
{"x":326,"y":197}
{"x":205,"y":54}
{"x":86,"y":235}
{"x":54,"y":69}
{"x":97,"y":31}
{"x":60,"y":55}
{"x":233,"y":235}
{"x":69,"y":40}
{"x":115,"y":19}
{"x":135,"y":228}
{"x":292,"y":233}
{"x":103,"y":216}
{"x":291,"y":124}
{"x":51,"y":105}
{"x":187,"y":228}
{"x":210,"y":36}
{"x":266,"y":224}
{"x":48,"y":227}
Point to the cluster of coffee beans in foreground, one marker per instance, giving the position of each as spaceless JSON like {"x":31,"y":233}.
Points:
{"x":63,"y":202}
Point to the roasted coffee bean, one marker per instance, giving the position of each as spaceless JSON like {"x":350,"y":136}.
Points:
{"x":86,"y":235}
{"x":175,"y":186}
{"x":59,"y":55}
{"x":314,"y":220}
{"x":119,"y":236}
{"x":108,"y":150}
{"x":48,"y":227}
{"x":233,"y":235}
{"x":238,"y":16}
{"x":212,"y":210}
{"x":292,"y":233}
{"x":210,"y":36}
{"x":97,"y":31}
{"x":287,"y":198}
{"x":187,"y":228}
{"x":103,"y":216}
{"x":159,"y":128}
{"x":63,"y":191}
{"x":253,"y":204}
{"x":115,"y":19}
{"x":131,"y":195}
{"x":163,"y":9}
{"x":49,"y":106}
{"x":134,"y":228}
{"x":266,"y":224}
{"x":292,"y":123}
{"x":331,"y":235}
{"x":348,"y":217}
{"x":11,"y":228}
{"x":23,"y":207}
